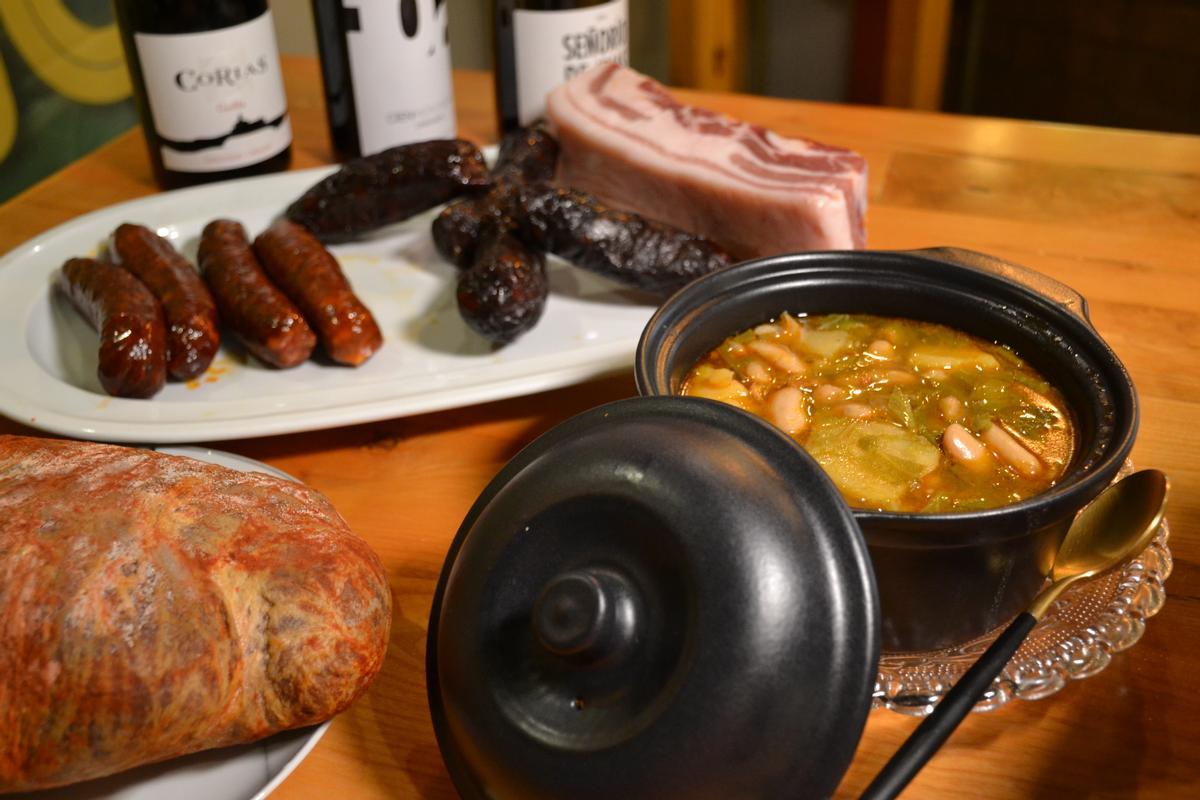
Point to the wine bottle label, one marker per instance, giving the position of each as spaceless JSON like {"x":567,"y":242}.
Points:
{"x":399,"y":57}
{"x":216,"y":98}
{"x":554,"y":46}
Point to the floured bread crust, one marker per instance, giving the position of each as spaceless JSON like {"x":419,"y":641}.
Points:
{"x":152,"y":606}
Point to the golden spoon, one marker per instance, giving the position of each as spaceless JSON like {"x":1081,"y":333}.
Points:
{"x":1120,"y":522}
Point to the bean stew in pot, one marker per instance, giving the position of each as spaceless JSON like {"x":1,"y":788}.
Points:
{"x":903,"y":415}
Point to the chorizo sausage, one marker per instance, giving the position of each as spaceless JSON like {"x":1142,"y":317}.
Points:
{"x":193,"y":333}
{"x":309,"y":275}
{"x":269,"y":324}
{"x":133,"y":338}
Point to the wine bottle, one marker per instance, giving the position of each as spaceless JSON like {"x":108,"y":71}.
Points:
{"x":541,"y":43}
{"x":208,"y":86}
{"x":386,"y":70}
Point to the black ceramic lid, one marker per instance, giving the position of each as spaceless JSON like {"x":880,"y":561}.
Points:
{"x":659,"y":598}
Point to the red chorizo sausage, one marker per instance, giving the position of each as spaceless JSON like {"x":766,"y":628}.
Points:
{"x":270,"y":326}
{"x":309,"y":274}
{"x":193,"y":335}
{"x":133,"y":338}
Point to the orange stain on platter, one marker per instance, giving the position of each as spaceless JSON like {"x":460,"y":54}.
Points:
{"x":211,"y":375}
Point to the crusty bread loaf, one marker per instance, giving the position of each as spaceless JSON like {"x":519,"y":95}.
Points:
{"x":152,"y":606}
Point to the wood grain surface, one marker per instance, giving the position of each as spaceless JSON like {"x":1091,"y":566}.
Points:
{"x":1115,"y":214}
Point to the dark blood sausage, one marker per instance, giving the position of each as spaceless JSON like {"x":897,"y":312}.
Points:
{"x":309,"y":275}
{"x":619,"y":245}
{"x":368,"y":193}
{"x":456,"y":230}
{"x":503,"y":293}
{"x":270,"y":326}
{"x":133,"y":338}
{"x":459,"y":226}
{"x":193,"y":334}
{"x":526,"y":154}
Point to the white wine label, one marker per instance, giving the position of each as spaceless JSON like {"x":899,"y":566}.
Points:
{"x":216,"y":98}
{"x":554,"y":46}
{"x":400,"y":72}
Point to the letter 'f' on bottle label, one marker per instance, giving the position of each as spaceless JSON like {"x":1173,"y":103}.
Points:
{"x":399,"y":57}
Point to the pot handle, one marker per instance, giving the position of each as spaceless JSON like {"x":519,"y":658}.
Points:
{"x":1044,"y":285}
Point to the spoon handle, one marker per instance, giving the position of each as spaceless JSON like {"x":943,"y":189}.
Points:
{"x":958,"y":702}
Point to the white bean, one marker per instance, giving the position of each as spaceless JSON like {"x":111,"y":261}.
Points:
{"x":785,"y":408}
{"x":779,"y":356}
{"x":718,"y":384}
{"x":963,"y":447}
{"x":900,"y":376}
{"x":951,"y":408}
{"x":828,"y":393}
{"x":882,"y":347}
{"x":756,"y":371}
{"x":856,"y":410}
{"x":1011,"y":451}
{"x":790,"y":326}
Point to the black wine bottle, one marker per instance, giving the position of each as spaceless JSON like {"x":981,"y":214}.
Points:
{"x":386,"y":70}
{"x":208,"y":86}
{"x":541,"y":43}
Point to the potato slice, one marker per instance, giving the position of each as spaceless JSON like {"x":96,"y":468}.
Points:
{"x":873,"y":462}
{"x":932,"y":357}
{"x":826,"y":344}
{"x":718,"y":384}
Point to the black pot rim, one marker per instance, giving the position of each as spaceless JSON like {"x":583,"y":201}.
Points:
{"x":1068,"y":311}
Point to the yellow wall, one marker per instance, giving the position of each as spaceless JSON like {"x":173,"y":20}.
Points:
{"x":64,"y":88}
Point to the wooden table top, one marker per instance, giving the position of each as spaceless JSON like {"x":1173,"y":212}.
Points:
{"x":1115,"y":214}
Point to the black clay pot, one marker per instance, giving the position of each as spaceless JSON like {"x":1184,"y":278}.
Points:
{"x":943,"y":579}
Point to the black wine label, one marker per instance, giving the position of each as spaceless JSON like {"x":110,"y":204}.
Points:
{"x":241,"y":128}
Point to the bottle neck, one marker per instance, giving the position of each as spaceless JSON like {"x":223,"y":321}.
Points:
{"x":186,"y":16}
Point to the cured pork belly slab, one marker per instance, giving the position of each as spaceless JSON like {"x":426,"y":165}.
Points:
{"x":624,"y":138}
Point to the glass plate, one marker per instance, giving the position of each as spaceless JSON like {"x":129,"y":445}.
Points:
{"x":1076,"y":639}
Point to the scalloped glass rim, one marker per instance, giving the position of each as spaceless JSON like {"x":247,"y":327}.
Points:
{"x":1077,"y":638}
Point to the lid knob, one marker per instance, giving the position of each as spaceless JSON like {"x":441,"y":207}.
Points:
{"x":587,"y":615}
